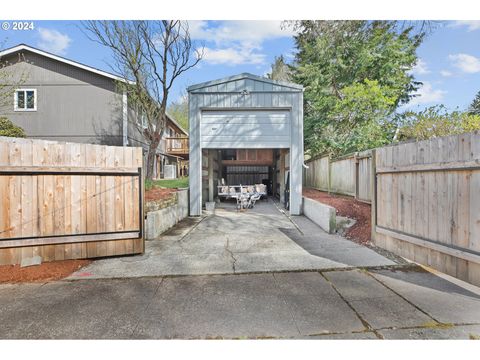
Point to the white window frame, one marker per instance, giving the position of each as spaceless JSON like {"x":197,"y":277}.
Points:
{"x":15,"y":100}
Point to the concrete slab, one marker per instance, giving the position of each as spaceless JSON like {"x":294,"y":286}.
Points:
{"x":277,"y":305}
{"x":258,"y":240}
{"x":80,"y":310}
{"x":315,"y":305}
{"x":445,"y":300}
{"x":465,"y":332}
{"x":374,"y":303}
{"x":242,"y":306}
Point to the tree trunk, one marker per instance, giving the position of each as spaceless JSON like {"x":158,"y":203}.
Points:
{"x":152,"y":151}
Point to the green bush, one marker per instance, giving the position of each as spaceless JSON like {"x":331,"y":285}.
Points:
{"x":436,"y":121}
{"x":7,"y":128}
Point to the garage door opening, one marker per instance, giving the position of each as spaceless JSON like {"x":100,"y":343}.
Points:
{"x":262,"y":171}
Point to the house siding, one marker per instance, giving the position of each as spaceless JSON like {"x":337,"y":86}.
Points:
{"x":72,"y":104}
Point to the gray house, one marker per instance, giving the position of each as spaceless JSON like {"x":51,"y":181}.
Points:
{"x":61,"y":99}
{"x":246,"y":130}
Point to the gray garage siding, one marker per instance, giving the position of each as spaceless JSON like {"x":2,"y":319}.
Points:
{"x":246,"y":92}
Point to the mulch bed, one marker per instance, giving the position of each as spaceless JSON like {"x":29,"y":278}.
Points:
{"x":158,"y":194}
{"x":48,"y":271}
{"x":349,"y":207}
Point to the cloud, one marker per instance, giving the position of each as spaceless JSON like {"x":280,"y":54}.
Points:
{"x":472,"y":25}
{"x":426,"y":94}
{"x":233,"y":56}
{"x":53,"y":41}
{"x":420,"y":68}
{"x":236,"y":42}
{"x":467,"y":63}
{"x":446,"y":73}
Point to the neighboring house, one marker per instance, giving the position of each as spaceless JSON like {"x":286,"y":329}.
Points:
{"x":61,"y":99}
{"x":173,"y":149}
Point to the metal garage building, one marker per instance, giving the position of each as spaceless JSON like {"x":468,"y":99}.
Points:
{"x":250,"y":121}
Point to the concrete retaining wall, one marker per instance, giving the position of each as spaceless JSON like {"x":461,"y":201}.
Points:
{"x":321,"y":214}
{"x":165,"y":213}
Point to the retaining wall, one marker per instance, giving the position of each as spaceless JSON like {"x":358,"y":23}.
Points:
{"x":321,"y":214}
{"x":165,"y":213}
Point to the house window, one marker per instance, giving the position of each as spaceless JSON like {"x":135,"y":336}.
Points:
{"x":25,"y":100}
{"x":144,"y":120}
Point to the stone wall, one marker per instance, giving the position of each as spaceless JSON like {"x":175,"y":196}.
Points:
{"x":165,"y":213}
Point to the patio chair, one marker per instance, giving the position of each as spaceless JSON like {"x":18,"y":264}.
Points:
{"x":242,"y":201}
{"x":253,"y":199}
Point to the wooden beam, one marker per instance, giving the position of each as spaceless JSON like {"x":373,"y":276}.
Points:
{"x":66,"y":170}
{"x":441,"y":166}
{"x":68,"y":239}
{"x":446,"y":249}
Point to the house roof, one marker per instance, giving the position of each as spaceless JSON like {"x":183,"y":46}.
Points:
{"x":177,"y":124}
{"x":23,"y":47}
{"x":241,"y":77}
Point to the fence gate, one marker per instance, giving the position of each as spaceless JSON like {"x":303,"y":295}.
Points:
{"x":69,"y":201}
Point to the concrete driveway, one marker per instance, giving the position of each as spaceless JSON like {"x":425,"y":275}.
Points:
{"x":236,"y":283}
{"x":229,"y":242}
{"x":340,"y":304}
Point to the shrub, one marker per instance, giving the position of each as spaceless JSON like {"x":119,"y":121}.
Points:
{"x":7,"y":128}
{"x":436,"y":121}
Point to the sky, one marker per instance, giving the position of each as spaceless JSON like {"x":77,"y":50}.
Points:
{"x":448,"y":65}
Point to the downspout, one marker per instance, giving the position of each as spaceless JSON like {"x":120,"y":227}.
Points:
{"x":125,"y":118}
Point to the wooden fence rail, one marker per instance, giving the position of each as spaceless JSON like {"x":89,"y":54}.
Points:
{"x":69,"y":201}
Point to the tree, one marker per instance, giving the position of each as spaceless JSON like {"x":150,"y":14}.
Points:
{"x":436,"y":121}
{"x":355,"y":75}
{"x":280,"y":70}
{"x":474,"y":108}
{"x":179,"y":111}
{"x":7,"y":128}
{"x":153,"y":54}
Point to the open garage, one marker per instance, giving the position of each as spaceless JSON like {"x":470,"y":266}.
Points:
{"x":246,"y":130}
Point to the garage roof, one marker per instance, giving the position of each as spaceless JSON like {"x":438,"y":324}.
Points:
{"x":282,"y":86}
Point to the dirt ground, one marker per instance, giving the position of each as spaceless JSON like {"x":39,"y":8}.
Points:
{"x":349,"y":207}
{"x":158,"y":193}
{"x":45,"y":272}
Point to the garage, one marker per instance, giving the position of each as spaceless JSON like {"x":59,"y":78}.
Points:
{"x":246,"y":130}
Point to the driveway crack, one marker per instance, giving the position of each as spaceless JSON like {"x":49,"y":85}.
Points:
{"x":227,"y":249}
{"x":365,"y":323}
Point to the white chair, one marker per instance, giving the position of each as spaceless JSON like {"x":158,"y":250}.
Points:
{"x":253,"y":199}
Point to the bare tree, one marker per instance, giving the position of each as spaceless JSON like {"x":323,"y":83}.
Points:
{"x":150,"y":56}
{"x":10,"y":80}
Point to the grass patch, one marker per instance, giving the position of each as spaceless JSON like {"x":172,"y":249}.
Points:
{"x":166,"y":183}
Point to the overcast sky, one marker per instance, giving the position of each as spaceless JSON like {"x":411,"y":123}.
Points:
{"x":449,"y":59}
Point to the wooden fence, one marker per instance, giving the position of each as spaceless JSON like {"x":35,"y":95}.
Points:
{"x":427,"y":204}
{"x":69,"y":201}
{"x":348,"y":175}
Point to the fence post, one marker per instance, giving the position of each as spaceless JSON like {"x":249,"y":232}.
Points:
{"x":373,"y":194}
{"x":355,"y":158}
{"x":329,"y":167}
